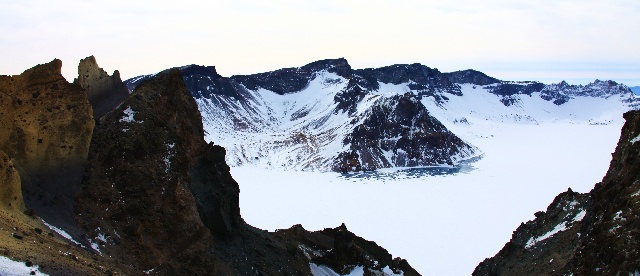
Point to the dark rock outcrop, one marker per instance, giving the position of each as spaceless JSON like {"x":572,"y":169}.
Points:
{"x":135,"y":193}
{"x":104,"y":92}
{"x":562,"y":92}
{"x":544,"y":245}
{"x":585,"y":234}
{"x":342,"y":251}
{"x":610,"y":240}
{"x":472,"y":77}
{"x":423,"y":80}
{"x":400,"y":125}
{"x":294,"y":79}
{"x":46,"y":125}
{"x":509,"y":92}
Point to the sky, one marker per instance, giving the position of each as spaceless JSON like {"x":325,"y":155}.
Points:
{"x":574,"y":40}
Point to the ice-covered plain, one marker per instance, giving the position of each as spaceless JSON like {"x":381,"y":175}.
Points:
{"x":444,"y":224}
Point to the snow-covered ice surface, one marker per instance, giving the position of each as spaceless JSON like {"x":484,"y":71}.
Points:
{"x":10,"y":267}
{"x":444,"y":224}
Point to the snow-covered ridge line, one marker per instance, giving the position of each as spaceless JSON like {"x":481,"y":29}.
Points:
{"x":322,"y":116}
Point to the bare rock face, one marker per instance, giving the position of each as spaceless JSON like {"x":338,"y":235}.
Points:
{"x":342,"y":251}
{"x":105,"y":92}
{"x":10,"y":187}
{"x":542,"y":246}
{"x":610,"y":240}
{"x":583,"y":234}
{"x":46,"y":125}
{"x":401,"y":127}
{"x":135,"y":201}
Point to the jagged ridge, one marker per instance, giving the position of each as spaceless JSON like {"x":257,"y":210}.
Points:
{"x":583,"y":234}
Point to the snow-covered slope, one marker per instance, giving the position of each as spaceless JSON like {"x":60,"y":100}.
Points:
{"x":326,"y":116}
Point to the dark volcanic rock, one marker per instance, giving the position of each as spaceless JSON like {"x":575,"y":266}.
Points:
{"x":290,"y":80}
{"x":532,"y":249}
{"x":403,"y":126}
{"x":216,"y":193}
{"x":341,"y":250}
{"x":104,"y":92}
{"x":201,"y":81}
{"x":45,"y":127}
{"x":349,"y":97}
{"x":509,"y":91}
{"x":471,"y":76}
{"x":135,"y":193}
{"x":424,"y":80}
{"x":562,"y":92}
{"x":604,"y":239}
{"x":610,"y":243}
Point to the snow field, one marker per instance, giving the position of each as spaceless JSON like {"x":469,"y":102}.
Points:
{"x":443,"y":225}
{"x":10,"y":267}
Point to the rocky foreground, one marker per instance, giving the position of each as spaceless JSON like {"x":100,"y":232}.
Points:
{"x":121,"y":184}
{"x":597,"y":233}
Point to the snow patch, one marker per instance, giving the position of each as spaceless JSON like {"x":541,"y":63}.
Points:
{"x":559,"y":228}
{"x":634,"y":140}
{"x":62,"y":233}
{"x":10,"y":267}
{"x":580,"y":215}
{"x":322,"y":270}
{"x":167,"y":158}
{"x":129,"y":118}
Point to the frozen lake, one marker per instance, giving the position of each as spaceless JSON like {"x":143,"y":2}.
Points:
{"x":446,"y":222}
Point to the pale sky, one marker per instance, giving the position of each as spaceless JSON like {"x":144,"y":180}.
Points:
{"x":576,"y":40}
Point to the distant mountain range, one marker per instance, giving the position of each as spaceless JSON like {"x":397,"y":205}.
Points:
{"x":96,"y":180}
{"x":327,"y":116}
{"x":635,"y":89}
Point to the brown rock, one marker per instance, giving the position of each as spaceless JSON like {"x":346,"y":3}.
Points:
{"x":46,"y":124}
{"x":136,"y":187}
{"x":105,"y":92}
{"x":10,"y":187}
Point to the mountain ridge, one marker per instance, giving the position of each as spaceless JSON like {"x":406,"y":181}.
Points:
{"x":594,"y":233}
{"x":328,"y":100}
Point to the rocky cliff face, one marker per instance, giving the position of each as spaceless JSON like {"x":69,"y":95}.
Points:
{"x":104,"y":92}
{"x":402,"y":128}
{"x":10,"y":189}
{"x":135,"y":194}
{"x":46,"y":125}
{"x":583,"y":234}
